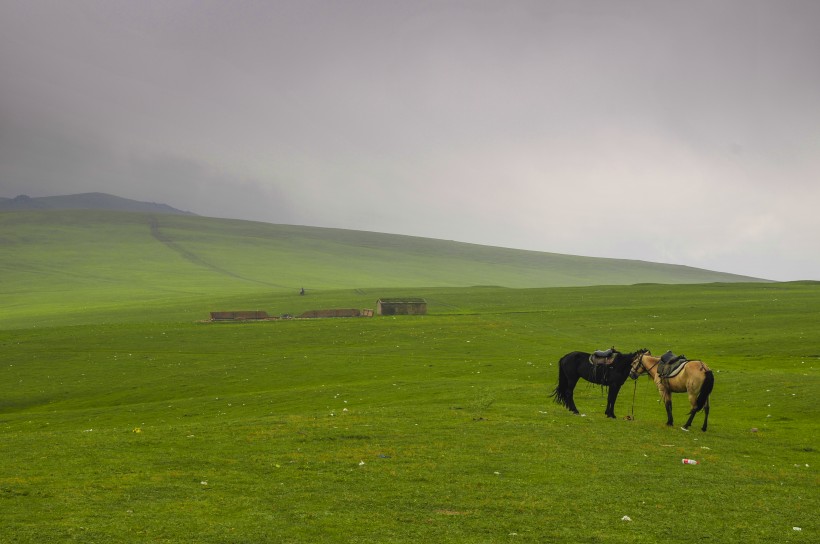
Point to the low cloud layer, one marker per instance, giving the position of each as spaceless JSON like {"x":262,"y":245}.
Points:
{"x":680,"y":132}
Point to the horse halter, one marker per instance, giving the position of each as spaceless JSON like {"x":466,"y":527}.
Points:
{"x":633,"y":372}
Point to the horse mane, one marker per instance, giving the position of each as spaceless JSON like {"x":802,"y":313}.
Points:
{"x":628,"y":358}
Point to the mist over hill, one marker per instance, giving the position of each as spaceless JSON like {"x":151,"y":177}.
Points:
{"x":86,"y":201}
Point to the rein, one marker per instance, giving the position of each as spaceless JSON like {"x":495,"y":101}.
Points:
{"x":635,"y":389}
{"x":640,"y":360}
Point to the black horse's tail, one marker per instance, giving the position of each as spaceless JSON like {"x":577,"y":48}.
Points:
{"x":705,"y":390}
{"x":559,"y":394}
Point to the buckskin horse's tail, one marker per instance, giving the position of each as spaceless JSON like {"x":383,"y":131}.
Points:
{"x":559,"y":393}
{"x":705,"y":390}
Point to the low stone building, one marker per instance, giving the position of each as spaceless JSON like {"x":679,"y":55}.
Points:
{"x":401,"y":306}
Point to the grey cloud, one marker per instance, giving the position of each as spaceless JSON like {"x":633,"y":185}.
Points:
{"x":487,"y":122}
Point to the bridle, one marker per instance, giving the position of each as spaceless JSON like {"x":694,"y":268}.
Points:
{"x":639,"y":360}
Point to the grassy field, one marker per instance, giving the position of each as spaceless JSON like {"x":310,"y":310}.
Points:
{"x":437,"y":428}
{"x":126,"y":417}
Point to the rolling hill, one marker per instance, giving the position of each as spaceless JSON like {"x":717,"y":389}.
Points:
{"x":77,"y":249}
{"x":286,"y":256}
{"x":69,"y":261}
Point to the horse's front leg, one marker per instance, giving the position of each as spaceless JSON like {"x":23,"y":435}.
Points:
{"x":668,"y":405}
{"x":610,"y":400}
{"x":666,"y":397}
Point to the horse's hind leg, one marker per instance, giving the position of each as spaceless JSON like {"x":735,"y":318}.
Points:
{"x":705,"y":415}
{"x":668,"y":404}
{"x":693,"y":400}
{"x":691,"y":417}
{"x":572,"y":381}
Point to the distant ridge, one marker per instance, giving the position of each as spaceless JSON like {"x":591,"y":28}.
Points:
{"x":222,"y":252}
{"x":86,"y":201}
{"x":82,"y":250}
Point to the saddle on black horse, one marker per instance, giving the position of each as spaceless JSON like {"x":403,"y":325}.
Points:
{"x":670,"y":364}
{"x":606,"y":357}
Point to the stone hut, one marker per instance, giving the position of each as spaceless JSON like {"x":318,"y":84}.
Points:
{"x":401,"y":306}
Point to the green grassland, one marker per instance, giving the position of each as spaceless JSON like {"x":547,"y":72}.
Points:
{"x":126,"y":418}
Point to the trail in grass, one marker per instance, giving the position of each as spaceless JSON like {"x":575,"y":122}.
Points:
{"x":193,"y":258}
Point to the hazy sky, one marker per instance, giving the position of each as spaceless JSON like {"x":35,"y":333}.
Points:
{"x":685,"y":132}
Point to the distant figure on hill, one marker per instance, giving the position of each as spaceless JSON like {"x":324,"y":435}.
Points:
{"x":302,"y":291}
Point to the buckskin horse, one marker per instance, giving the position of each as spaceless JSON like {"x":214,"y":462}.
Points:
{"x":692,"y":377}
{"x":606,"y":368}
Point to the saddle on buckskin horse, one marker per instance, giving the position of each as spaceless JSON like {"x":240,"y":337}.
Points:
{"x":599,"y":357}
{"x":670,"y":364}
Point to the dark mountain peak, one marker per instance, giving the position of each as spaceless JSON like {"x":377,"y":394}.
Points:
{"x":86,"y":201}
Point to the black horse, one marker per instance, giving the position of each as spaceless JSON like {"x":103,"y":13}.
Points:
{"x":576,"y":365}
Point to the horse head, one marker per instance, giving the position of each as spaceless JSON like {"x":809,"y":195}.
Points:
{"x":638,"y":367}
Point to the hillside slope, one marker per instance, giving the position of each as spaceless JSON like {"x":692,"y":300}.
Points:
{"x":58,"y":265}
{"x":150,"y":250}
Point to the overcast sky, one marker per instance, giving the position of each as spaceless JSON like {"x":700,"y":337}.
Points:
{"x":666,"y":131}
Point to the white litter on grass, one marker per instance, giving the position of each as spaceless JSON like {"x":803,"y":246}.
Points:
{"x":626,"y":518}
{"x":361,"y":463}
{"x":797,"y":529}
